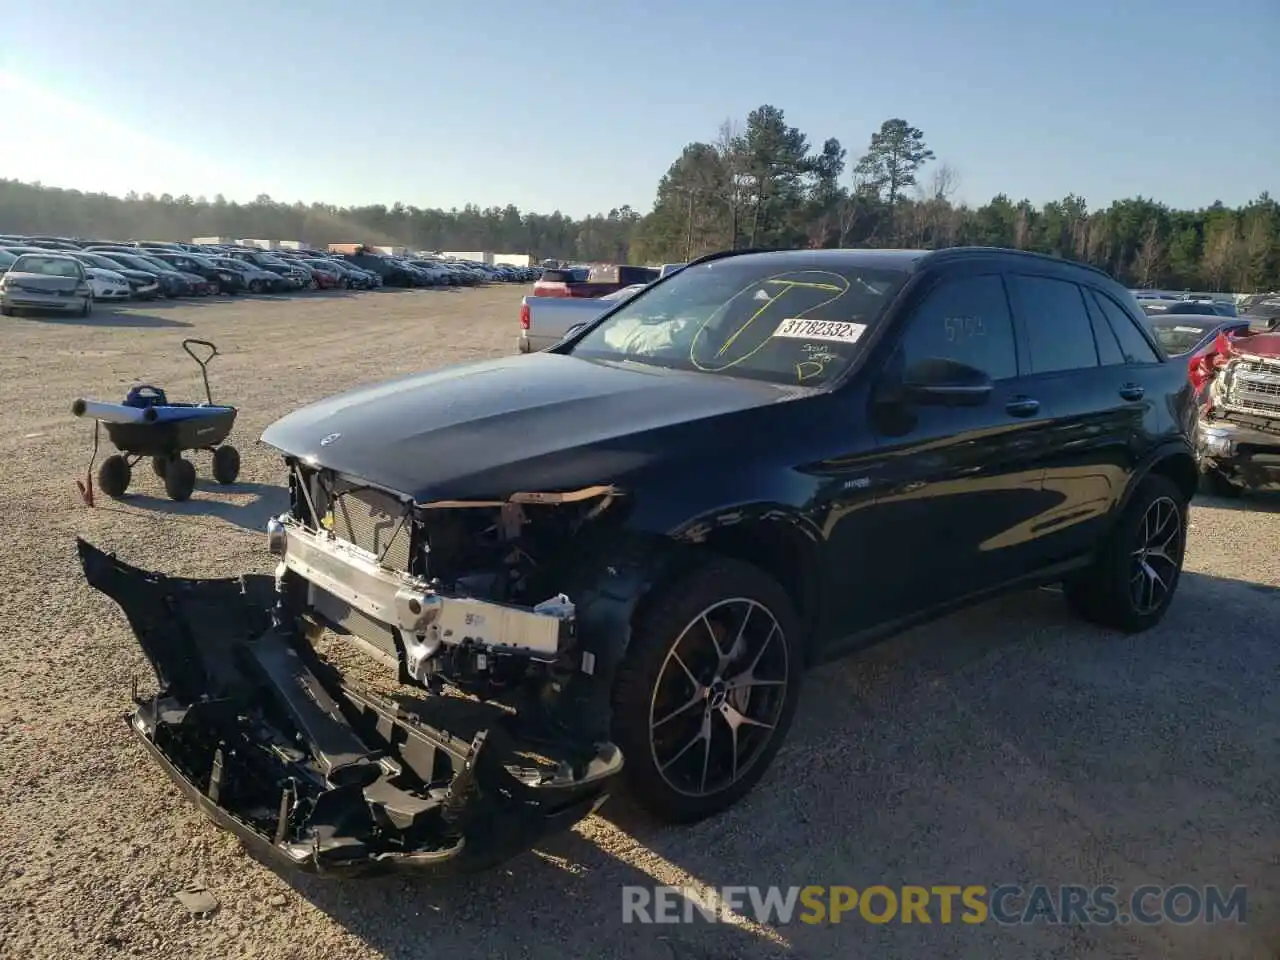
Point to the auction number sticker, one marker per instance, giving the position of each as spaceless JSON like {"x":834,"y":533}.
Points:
{"x":837,"y":331}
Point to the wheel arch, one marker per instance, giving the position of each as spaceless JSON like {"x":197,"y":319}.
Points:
{"x":1173,"y":460}
{"x":613,"y":583}
{"x":778,"y":542}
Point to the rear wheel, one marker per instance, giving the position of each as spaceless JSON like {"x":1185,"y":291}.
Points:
{"x":87,"y":308}
{"x":114,"y":476}
{"x":707,"y":690}
{"x":6,"y":311}
{"x":1132,"y":582}
{"x":179,"y":478}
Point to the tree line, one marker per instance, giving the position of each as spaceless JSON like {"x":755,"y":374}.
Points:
{"x":758,"y":183}
{"x":761,"y":183}
{"x":33,"y":209}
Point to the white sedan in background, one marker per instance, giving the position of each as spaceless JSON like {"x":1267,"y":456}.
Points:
{"x":107,"y":284}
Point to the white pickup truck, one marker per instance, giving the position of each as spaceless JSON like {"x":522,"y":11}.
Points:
{"x":545,"y":320}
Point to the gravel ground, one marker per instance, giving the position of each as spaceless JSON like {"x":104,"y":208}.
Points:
{"x":1008,"y":743}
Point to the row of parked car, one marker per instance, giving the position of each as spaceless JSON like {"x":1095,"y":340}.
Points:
{"x":146,"y":270}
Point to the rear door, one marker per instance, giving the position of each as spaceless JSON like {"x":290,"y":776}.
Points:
{"x":1077,"y":367}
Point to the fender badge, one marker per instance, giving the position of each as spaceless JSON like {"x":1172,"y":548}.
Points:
{"x":329,"y":439}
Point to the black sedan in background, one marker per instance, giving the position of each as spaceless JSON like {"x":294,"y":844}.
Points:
{"x":145,"y":284}
{"x":172,"y":283}
{"x":1183,"y":334}
{"x":223,"y":280}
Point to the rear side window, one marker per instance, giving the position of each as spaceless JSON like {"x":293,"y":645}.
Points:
{"x":1109,"y":354}
{"x":1133,"y":344}
{"x":1059,"y":334}
{"x":964,"y":319}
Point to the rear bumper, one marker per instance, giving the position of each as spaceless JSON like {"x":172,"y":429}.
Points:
{"x":532,"y":343}
{"x":1245,"y":448}
{"x":317,"y":776}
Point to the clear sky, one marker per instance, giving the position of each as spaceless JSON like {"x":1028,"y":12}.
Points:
{"x":581,"y":106}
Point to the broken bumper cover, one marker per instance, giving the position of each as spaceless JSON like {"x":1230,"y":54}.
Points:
{"x":315,"y":775}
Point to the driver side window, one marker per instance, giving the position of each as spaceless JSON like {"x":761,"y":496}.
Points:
{"x":965,"y":319}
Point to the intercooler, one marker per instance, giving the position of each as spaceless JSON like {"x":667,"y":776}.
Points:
{"x":1253,"y":387}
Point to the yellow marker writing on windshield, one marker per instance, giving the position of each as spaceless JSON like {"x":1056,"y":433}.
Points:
{"x":839,"y":289}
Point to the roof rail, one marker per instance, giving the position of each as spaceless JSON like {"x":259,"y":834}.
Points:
{"x":948,"y":252}
{"x":723,"y":254}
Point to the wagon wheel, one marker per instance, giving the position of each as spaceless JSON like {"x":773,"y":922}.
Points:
{"x":114,"y":476}
{"x":226,"y":464}
{"x":179,"y":479}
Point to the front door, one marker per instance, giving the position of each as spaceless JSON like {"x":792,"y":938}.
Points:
{"x":956,"y":489}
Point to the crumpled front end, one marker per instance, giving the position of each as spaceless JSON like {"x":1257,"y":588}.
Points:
{"x":1238,"y":433}
{"x":313,"y":773}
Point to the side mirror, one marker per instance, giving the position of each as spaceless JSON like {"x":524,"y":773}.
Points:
{"x":940,"y":382}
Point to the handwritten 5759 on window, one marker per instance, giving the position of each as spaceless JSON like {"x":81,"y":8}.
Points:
{"x":838,"y":331}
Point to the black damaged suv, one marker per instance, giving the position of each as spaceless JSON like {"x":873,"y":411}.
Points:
{"x":636,"y":541}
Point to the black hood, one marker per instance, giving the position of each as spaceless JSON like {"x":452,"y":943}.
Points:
{"x":539,"y":422}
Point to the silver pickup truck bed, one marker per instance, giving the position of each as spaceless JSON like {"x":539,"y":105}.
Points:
{"x":544,"y":320}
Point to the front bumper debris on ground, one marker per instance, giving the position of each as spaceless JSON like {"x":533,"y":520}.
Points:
{"x":313,"y":773}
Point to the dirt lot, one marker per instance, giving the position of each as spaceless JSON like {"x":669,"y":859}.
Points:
{"x":1007,"y":744}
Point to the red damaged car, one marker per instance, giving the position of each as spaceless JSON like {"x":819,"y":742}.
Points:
{"x":1237,"y":381}
{"x":325,"y":276}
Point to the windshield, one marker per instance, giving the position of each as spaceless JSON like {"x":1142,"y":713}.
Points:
{"x":48,"y":266}
{"x":795,"y":320}
{"x":1180,"y":337}
{"x":155,"y":263}
{"x":125,"y":260}
{"x":6,"y":258}
{"x":1191,"y":308}
{"x":94,"y":260}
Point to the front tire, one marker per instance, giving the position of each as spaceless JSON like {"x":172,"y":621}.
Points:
{"x":1133,"y":580}
{"x":707,"y":690}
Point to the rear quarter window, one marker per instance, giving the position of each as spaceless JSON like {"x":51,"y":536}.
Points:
{"x":1133,"y":343}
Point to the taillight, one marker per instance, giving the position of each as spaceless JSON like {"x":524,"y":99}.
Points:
{"x":1198,"y":371}
{"x":1207,"y":362}
{"x":524,"y":316}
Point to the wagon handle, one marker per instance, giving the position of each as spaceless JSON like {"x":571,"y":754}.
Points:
{"x":204,"y":364}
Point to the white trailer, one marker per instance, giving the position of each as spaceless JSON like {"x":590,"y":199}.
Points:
{"x":214,"y":241}
{"x":480,"y":256}
{"x":510,"y":260}
{"x":262,"y":244}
